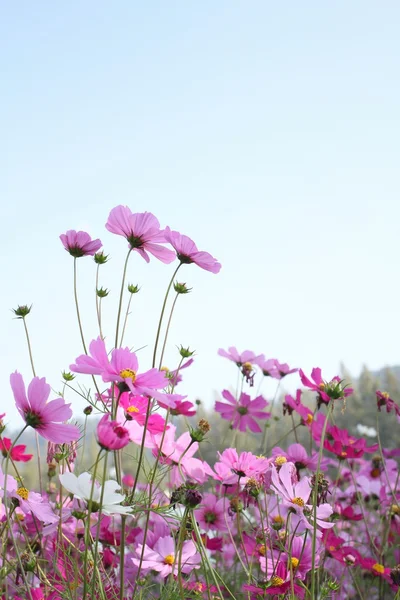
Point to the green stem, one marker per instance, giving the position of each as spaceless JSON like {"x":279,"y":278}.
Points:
{"x":121,"y":295}
{"x":162,"y":315}
{"x":167,"y":331}
{"x":77,"y":308}
{"x":315,"y":497}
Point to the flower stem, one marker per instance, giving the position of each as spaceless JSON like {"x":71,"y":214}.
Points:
{"x":162,"y":315}
{"x":77,"y":309}
{"x":121,"y":295}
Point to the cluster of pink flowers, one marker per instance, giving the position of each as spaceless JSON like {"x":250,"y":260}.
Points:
{"x":147,"y":516}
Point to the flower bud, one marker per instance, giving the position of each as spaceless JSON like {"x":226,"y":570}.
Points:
{"x":186,"y":352}
{"x":88,"y":410}
{"x":67,"y":376}
{"x":100,"y":258}
{"x":22,"y":311}
{"x":198,"y":434}
{"x":181,"y":288}
{"x":395,"y":575}
{"x":192,"y":498}
{"x":133,"y":289}
{"x":102,"y":292}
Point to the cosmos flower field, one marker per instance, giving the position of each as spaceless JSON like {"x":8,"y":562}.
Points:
{"x":313,"y":521}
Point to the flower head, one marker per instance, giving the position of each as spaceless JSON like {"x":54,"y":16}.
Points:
{"x":243,"y":412}
{"x":79,"y":243}
{"x":188,"y":253}
{"x":163,"y":557}
{"x":142,"y":230}
{"x":81,"y":488}
{"x":17,"y":452}
{"x":111,"y":435}
{"x":46,"y":417}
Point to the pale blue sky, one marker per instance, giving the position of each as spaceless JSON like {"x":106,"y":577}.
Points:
{"x":268,"y":132}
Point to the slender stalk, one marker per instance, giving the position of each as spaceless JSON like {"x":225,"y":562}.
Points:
{"x":125,"y":320}
{"x":121,"y":295}
{"x":162,"y":315}
{"x":77,"y":308}
{"x":167,"y":330}
{"x":315,"y":496}
{"x":36,"y":433}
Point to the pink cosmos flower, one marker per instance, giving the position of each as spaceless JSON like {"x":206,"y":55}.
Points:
{"x":344,"y":445}
{"x":17,"y":452}
{"x":79,"y":243}
{"x":188,"y":253}
{"x":294,"y":404}
{"x":383,"y":399}
{"x":284,"y":369}
{"x":46,"y":417}
{"x":297,"y":454}
{"x":239,"y":358}
{"x":164,"y":559}
{"x":27,"y":501}
{"x":243,"y":412}
{"x":122,"y":368}
{"x":296,"y":496}
{"x":327,"y":391}
{"x":142,"y":230}
{"x":268,"y":367}
{"x":135,"y":409}
{"x":245,"y":465}
{"x":211,"y":513}
{"x":111,"y":435}
{"x":181,"y":452}
{"x":278,"y":584}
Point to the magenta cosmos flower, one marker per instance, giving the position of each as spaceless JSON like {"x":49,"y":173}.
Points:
{"x":142,"y":230}
{"x":332,"y":390}
{"x":17,"y":452}
{"x":187,"y":252}
{"x":243,"y":412}
{"x":240,"y":358}
{"x":211,"y":513}
{"x":111,"y":435}
{"x":79,"y":243}
{"x":46,"y":417}
{"x":122,"y":368}
{"x":164,"y":559}
{"x":27,"y":501}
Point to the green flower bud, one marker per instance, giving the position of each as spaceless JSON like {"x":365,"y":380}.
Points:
{"x":67,"y":376}
{"x":22,"y":311}
{"x":133,"y":289}
{"x":100,"y":258}
{"x":102,"y":292}
{"x":185,"y":352}
{"x":181,"y":288}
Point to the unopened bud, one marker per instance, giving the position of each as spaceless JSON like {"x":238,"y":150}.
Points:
{"x":102,"y":292}
{"x":67,"y":376}
{"x":22,"y":311}
{"x":181,"y":288}
{"x":133,"y":289}
{"x":100,"y":258}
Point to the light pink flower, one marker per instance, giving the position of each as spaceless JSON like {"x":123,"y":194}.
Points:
{"x":164,"y":559}
{"x":188,"y":253}
{"x":232,"y":466}
{"x":122,"y":368}
{"x":211,"y":513}
{"x":142,"y":230}
{"x":79,"y":243}
{"x":27,"y":501}
{"x":243,"y":412}
{"x":111,"y":435}
{"x":296,"y":496}
{"x":46,"y":417}
{"x":240,"y":358}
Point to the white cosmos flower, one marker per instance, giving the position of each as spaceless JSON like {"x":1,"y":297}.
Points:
{"x":81,"y":487}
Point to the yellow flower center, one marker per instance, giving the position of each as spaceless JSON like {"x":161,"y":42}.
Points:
{"x":395,"y":508}
{"x":132,"y":409}
{"x":385,"y":395}
{"x":247,"y":366}
{"x":169,"y":559}
{"x":298,"y":501}
{"x":309,"y":419}
{"x":280,"y":460}
{"x":278,"y":519}
{"x":128,"y":374}
{"x":262,"y":549}
{"x":343,"y":454}
{"x":295,"y":562}
{"x":19,"y":517}
{"x":164,"y":369}
{"x":23,"y":493}
{"x":378,"y":568}
{"x":277,"y":581}
{"x":321,"y":386}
